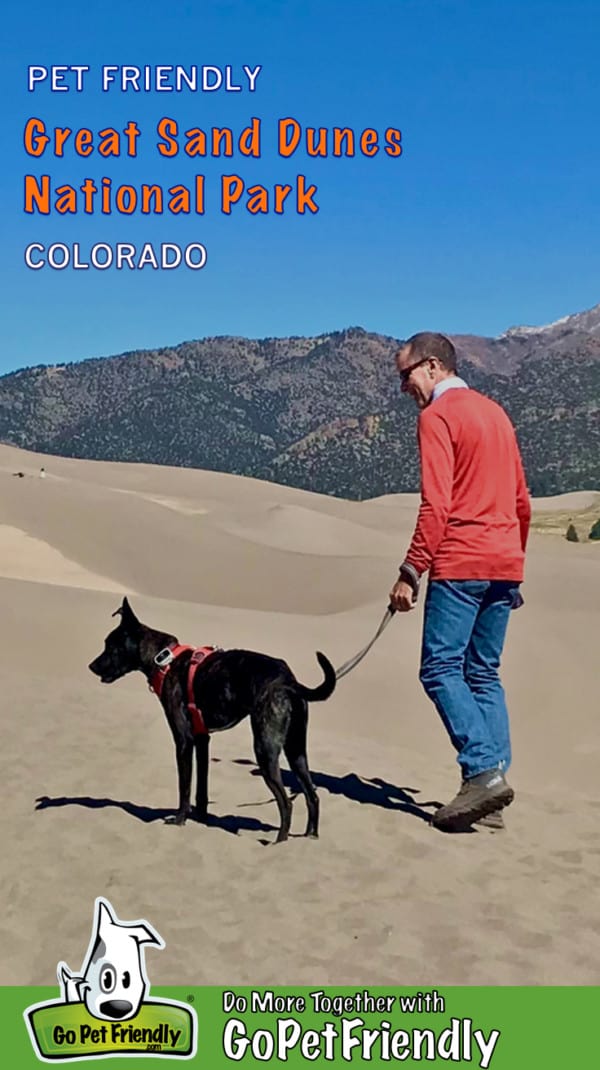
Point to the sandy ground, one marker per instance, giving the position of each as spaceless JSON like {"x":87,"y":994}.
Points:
{"x":89,"y":771}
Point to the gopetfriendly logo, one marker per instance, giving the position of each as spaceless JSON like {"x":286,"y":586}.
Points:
{"x":104,"y":1009}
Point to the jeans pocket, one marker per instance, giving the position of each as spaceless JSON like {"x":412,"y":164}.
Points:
{"x":471,"y":588}
{"x":517,"y":599}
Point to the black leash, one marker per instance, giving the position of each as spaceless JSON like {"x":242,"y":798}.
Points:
{"x":353,"y":662}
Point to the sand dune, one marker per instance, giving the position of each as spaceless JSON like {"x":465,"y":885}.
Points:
{"x":578,"y":499}
{"x":23,"y":557}
{"x":298,"y":529}
{"x":381,"y":897}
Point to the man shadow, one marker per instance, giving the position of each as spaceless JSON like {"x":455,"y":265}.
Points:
{"x":372,"y":791}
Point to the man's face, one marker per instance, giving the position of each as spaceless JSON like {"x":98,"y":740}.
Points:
{"x":417,"y":377}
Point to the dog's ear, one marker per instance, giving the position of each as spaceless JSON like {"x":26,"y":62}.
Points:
{"x":145,"y":934}
{"x":69,"y":983}
{"x":127,"y":616}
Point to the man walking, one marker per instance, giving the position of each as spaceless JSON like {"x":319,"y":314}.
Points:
{"x":470,"y":535}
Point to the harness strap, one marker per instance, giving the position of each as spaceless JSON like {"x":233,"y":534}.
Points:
{"x":164,"y":660}
{"x":198,"y":656}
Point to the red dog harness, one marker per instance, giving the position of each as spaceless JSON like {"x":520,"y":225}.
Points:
{"x":164,"y":659}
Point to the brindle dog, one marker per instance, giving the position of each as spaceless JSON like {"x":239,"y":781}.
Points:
{"x":230,"y":685}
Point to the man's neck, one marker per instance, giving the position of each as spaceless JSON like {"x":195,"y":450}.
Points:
{"x":449,"y":382}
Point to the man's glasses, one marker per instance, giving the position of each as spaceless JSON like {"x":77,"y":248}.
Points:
{"x":406,"y":373}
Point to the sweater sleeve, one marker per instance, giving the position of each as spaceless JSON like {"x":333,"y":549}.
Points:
{"x":437,"y":477}
{"x":523,"y":503}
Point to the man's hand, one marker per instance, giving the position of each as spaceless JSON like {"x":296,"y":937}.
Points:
{"x":402,"y":597}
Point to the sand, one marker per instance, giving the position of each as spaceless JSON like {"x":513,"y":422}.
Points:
{"x":89,"y":771}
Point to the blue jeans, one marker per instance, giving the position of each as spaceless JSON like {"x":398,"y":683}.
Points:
{"x":463,"y":636}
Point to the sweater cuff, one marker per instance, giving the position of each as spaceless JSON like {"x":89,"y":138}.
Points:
{"x":411,"y":576}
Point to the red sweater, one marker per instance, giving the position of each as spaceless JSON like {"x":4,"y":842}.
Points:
{"x":474,"y":516}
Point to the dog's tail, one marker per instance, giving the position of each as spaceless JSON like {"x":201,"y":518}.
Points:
{"x":324,"y":690}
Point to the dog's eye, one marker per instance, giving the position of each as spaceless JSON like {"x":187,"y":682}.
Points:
{"x":108,"y":978}
{"x":126,"y":979}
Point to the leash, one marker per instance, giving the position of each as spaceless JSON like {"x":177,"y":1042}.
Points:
{"x":353,"y":662}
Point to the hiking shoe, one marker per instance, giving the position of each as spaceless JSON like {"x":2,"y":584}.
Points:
{"x":493,"y":821}
{"x":478,"y":796}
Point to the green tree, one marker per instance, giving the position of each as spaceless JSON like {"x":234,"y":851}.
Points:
{"x":595,"y":530}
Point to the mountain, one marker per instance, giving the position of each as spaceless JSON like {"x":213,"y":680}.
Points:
{"x":588,"y":322}
{"x":323,"y":413}
{"x":576,"y":336}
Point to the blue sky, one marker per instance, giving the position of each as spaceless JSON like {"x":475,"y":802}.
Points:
{"x":490,"y":218}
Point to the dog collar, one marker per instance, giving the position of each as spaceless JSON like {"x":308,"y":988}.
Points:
{"x":163,"y":660}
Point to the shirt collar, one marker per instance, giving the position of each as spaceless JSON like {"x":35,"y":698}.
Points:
{"x":453,"y":382}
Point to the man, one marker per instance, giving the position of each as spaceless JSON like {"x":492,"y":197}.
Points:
{"x":470,"y":535}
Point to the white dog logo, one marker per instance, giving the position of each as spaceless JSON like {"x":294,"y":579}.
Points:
{"x":113,"y":981}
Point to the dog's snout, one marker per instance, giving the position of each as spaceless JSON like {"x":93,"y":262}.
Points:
{"x":116,"y":1008}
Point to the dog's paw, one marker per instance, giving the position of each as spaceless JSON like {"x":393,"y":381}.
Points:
{"x":200,"y":815}
{"x":176,"y":819}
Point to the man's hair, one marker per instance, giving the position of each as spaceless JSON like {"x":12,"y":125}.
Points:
{"x":429,"y":344}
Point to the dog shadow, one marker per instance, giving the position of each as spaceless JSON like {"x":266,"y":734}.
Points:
{"x":231,"y":823}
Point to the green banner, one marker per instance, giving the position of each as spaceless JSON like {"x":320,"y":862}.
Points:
{"x":503,"y":1028}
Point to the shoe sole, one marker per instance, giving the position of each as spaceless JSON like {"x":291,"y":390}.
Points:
{"x":459,"y":822}
{"x":494,"y":821}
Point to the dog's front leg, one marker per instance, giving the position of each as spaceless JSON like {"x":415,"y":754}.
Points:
{"x":201,"y":746}
{"x":183,"y":751}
